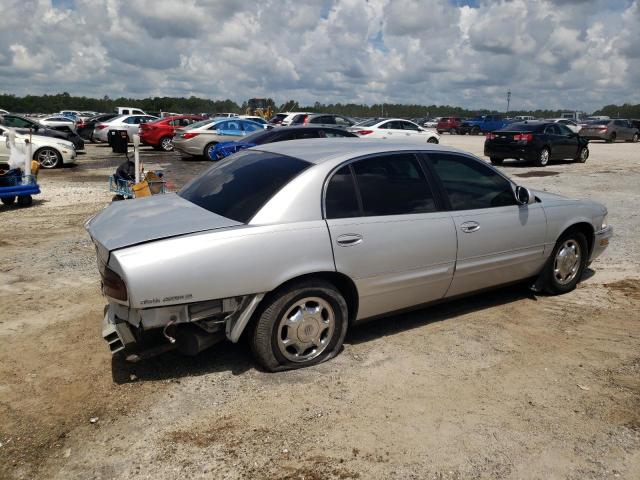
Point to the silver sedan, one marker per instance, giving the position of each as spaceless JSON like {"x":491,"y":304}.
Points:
{"x":291,"y":243}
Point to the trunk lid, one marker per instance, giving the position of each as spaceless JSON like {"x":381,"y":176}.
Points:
{"x":130,"y":222}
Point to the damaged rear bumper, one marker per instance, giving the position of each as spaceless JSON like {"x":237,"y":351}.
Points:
{"x":191,"y":327}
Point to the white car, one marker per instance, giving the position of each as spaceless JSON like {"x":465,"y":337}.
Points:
{"x":50,"y":152}
{"x":130,"y":123}
{"x":432,"y":123}
{"x":57,"y":121}
{"x":395,"y":129}
{"x":567,"y":122}
{"x":292,"y":118}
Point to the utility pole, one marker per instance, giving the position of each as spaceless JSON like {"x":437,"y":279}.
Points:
{"x":508,"y":100}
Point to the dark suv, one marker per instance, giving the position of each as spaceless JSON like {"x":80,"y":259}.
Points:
{"x":23,"y":124}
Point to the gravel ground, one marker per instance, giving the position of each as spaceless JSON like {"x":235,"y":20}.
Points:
{"x":499,"y":385}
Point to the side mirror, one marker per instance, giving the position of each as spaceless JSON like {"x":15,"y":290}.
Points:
{"x":524,"y":196}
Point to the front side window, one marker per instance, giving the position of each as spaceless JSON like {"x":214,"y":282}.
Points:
{"x":251,"y":127}
{"x":343,"y":121}
{"x":341,"y":200}
{"x":393,"y":185}
{"x":238,"y":187}
{"x":409,"y":126}
{"x":469,"y":184}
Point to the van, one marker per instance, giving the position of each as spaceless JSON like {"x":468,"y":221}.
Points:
{"x":129,"y":111}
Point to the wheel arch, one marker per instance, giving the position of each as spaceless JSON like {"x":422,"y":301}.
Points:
{"x":583,"y":227}
{"x":342,"y":282}
{"x":48,"y":147}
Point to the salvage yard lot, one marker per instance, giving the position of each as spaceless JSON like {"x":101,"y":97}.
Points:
{"x":499,"y":385}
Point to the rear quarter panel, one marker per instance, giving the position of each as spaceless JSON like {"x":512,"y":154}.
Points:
{"x":224,"y":263}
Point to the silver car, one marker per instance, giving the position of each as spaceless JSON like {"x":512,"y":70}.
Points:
{"x":610,"y":130}
{"x":291,"y":243}
{"x":200,"y":139}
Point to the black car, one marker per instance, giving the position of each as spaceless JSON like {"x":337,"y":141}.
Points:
{"x":537,"y":142}
{"x":23,"y":124}
{"x":85,"y":129}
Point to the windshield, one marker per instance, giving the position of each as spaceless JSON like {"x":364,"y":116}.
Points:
{"x":524,"y":127}
{"x":598,"y":122}
{"x":239,"y":186}
{"x":370,"y":122}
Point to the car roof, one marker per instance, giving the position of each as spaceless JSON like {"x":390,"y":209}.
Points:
{"x":321,"y":150}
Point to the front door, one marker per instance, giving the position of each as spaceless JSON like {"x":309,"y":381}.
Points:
{"x":388,"y":233}
{"x":499,"y":241}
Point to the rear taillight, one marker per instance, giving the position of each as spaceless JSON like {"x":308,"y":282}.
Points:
{"x":112,"y":285}
{"x":364,"y":132}
{"x":187,"y":136}
{"x":523,"y":137}
{"x":82,"y":125}
{"x":306,"y":119}
{"x":101,"y":126}
{"x":491,"y":136}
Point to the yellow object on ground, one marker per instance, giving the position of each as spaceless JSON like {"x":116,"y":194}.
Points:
{"x":35,"y":166}
{"x":141,"y":189}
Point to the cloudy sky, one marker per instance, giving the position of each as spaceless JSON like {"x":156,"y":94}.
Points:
{"x":576,"y":54}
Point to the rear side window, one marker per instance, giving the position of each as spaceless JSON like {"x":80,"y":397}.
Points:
{"x":393,"y":185}
{"x":239,"y":186}
{"x":341,"y":200}
{"x":471,"y":185}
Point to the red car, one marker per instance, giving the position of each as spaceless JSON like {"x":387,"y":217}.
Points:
{"x":449,"y":124}
{"x":159,"y":134}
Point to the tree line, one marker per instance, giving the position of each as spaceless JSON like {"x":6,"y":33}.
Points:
{"x":65,"y":101}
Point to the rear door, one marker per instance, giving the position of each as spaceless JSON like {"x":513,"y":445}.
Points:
{"x":388,"y":233}
{"x":498,"y":240}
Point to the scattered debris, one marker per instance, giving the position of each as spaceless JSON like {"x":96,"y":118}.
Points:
{"x":583,"y":387}
{"x":94,"y":419}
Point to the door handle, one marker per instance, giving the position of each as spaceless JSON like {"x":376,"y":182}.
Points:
{"x":469,"y":227}
{"x":349,"y":239}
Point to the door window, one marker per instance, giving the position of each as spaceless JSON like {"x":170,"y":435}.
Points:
{"x":393,"y":185}
{"x":408,"y":126}
{"x":564,"y":130}
{"x":306,"y":133}
{"x":343,"y":121}
{"x":552,"y":130}
{"x":341,"y":200}
{"x":471,"y":185}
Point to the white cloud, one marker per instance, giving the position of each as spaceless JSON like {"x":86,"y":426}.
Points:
{"x":549,"y":53}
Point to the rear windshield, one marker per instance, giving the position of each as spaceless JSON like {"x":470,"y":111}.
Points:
{"x":598,"y":122}
{"x":524,"y":127}
{"x":239,"y":186}
{"x":201,"y":123}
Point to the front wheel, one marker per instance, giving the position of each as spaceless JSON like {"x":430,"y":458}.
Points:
{"x":566,"y":264}
{"x":48,"y":158}
{"x":301,"y":325}
{"x":432,"y":140}
{"x":475,"y":131}
{"x":583,"y":154}
{"x":634,"y":139}
{"x":25,"y":200}
{"x":8,"y":201}
{"x":543,"y":157}
{"x":496,"y":161}
{"x":612,"y":138}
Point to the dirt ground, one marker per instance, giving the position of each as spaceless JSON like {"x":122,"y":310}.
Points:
{"x":499,"y":385}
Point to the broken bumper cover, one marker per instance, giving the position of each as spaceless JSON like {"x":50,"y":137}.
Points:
{"x":228,"y":317}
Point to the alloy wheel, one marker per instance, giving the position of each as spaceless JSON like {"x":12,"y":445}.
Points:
{"x":306,"y":329}
{"x":567,"y":262}
{"x":48,"y":158}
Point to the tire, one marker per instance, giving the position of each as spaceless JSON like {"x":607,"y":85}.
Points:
{"x":269,"y":337}
{"x":496,"y":161}
{"x":25,"y":200}
{"x":439,"y":132}
{"x":8,"y":201}
{"x":166,"y":144}
{"x":583,"y":154}
{"x":48,"y":157}
{"x":543,"y":157}
{"x":475,"y":131}
{"x":554,"y":281}
{"x":612,"y":138}
{"x":634,"y":139}
{"x":453,"y":131}
{"x":208,"y":151}
{"x":432,"y":140}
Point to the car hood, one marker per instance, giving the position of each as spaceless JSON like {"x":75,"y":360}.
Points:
{"x":547,"y":196}
{"x":130,"y":222}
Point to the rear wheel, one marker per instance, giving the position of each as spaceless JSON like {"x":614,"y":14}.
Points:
{"x":634,"y":139}
{"x":432,"y":140}
{"x":166,"y":144}
{"x":583,"y":154}
{"x":475,"y":131}
{"x":48,"y":158}
{"x":496,"y":161}
{"x":301,"y":325}
{"x":8,"y":200}
{"x":543,"y":157}
{"x":566,"y":264}
{"x":209,"y":151}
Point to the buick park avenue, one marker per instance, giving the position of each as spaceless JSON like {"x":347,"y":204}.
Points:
{"x":292,"y":243}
